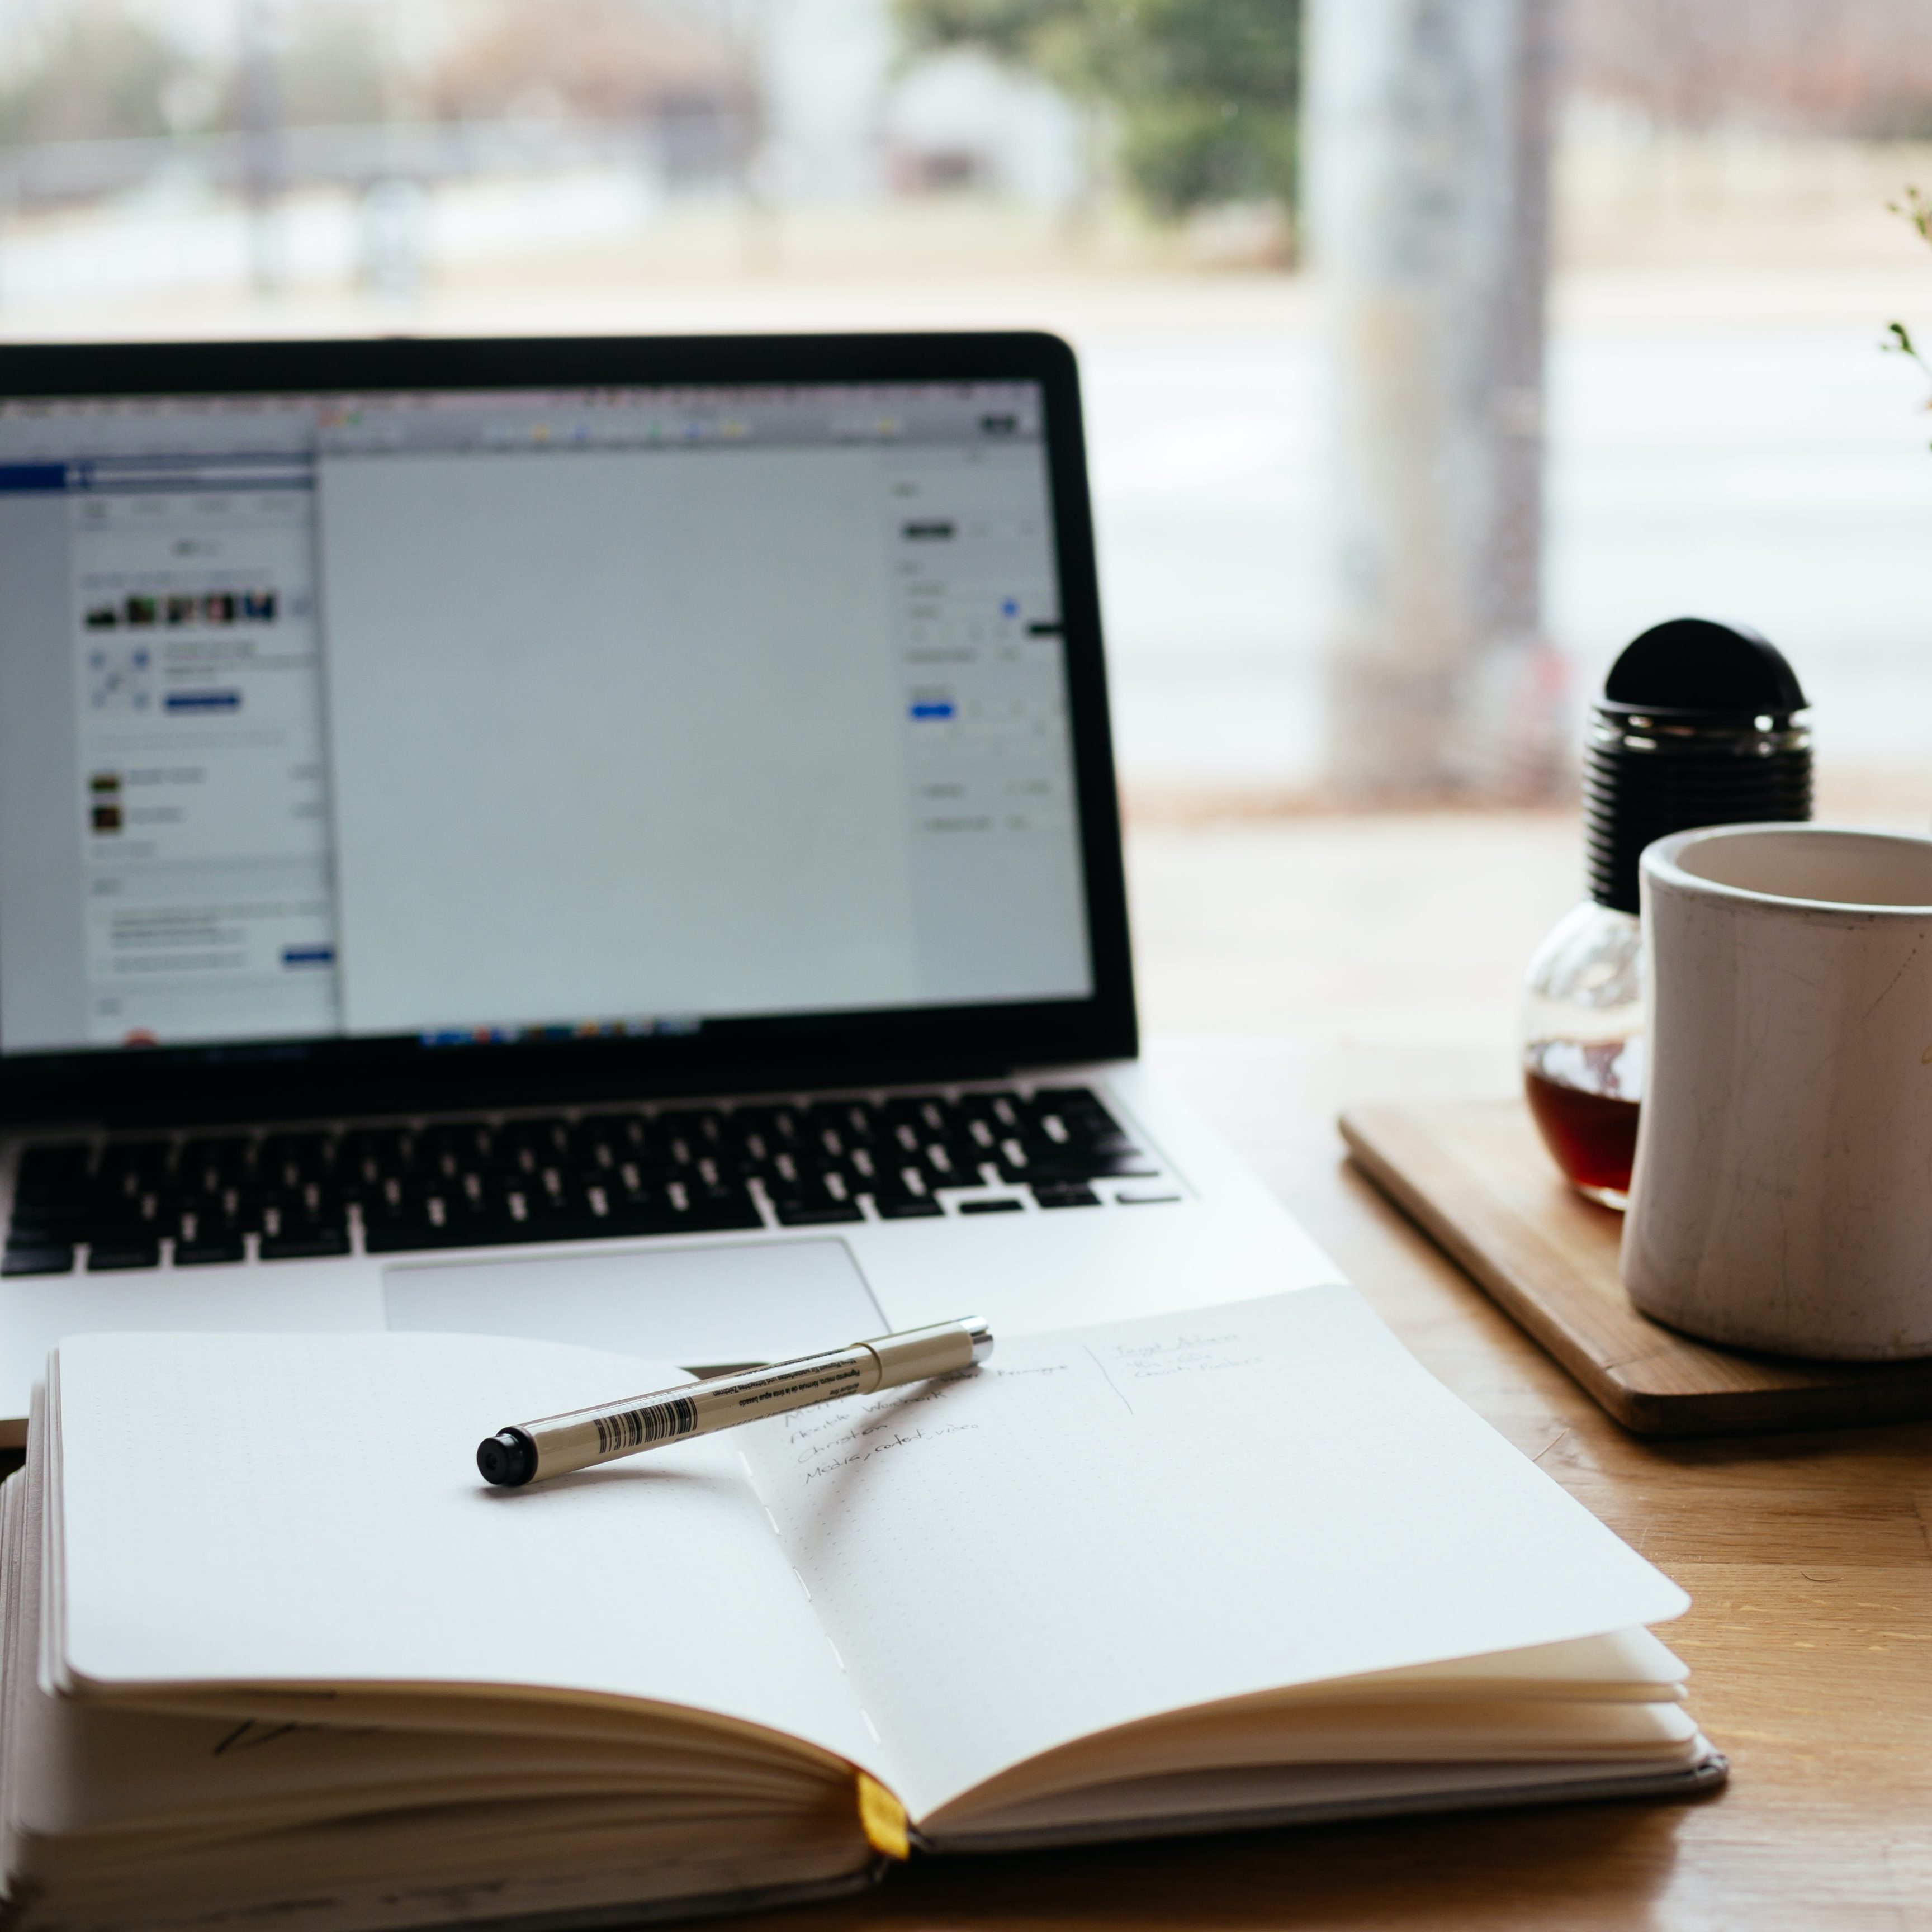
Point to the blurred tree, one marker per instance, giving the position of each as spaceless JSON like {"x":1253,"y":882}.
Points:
{"x":1203,"y":91}
{"x":99,"y":74}
{"x":1854,"y":68}
{"x":334,"y":70}
{"x":675,"y":65}
{"x":324,"y":65}
{"x":1429,"y":126}
{"x":603,"y":59}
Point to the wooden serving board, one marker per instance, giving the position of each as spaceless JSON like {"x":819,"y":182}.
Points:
{"x":1475,"y":1176}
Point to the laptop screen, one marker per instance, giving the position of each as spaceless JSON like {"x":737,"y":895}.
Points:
{"x":492,"y":715}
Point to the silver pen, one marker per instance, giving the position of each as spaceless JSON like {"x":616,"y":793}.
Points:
{"x":531,"y":1452}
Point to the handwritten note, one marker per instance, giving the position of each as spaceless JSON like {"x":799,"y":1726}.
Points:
{"x":824,"y":1441}
{"x":1124,"y":1362}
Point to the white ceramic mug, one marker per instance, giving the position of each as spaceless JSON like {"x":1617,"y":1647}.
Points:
{"x":1782,"y":1195}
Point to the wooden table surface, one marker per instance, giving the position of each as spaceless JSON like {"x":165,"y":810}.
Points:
{"x":1809,"y":1558}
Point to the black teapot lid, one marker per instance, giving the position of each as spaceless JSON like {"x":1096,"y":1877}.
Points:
{"x":1693,"y":666}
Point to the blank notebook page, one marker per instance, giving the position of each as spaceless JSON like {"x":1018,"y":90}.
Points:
{"x":262,"y":1508}
{"x":1110,"y":1523}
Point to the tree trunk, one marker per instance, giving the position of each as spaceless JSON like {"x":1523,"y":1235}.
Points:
{"x":1427,"y":165}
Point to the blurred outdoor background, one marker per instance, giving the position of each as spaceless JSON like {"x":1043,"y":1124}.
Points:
{"x":1722,"y":430}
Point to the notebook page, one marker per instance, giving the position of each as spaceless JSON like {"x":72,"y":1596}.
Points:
{"x":273,"y":1508}
{"x":1111,"y":1522}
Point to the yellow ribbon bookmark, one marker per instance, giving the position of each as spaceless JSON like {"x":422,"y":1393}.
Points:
{"x":883,"y":1819}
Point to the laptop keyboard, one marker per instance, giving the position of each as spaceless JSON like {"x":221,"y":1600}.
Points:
{"x":388,"y":1188}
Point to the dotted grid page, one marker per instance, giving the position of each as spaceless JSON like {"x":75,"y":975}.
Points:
{"x":293,"y":1509}
{"x":1111,"y":1522}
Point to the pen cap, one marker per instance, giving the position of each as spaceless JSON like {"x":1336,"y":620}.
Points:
{"x":937,"y":1350}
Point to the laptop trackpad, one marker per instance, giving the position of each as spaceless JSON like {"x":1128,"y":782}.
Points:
{"x":750,"y":1301}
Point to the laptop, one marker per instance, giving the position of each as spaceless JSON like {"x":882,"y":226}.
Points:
{"x":612,"y":841}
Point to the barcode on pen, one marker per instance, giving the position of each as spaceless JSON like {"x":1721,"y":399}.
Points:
{"x":636,"y":1427}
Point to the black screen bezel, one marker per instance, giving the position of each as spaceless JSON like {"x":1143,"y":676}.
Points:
{"x":285,"y":1079}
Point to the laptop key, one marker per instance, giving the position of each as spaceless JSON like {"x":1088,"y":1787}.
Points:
{"x":214,"y":1161}
{"x":718,"y":1210}
{"x":687,"y":1133}
{"x":53,"y":1167}
{"x":900,"y":1194}
{"x":113,"y":1254}
{"x":1063,"y":1167}
{"x":144,"y":1159}
{"x":525,"y":1149}
{"x":798,"y":1212}
{"x":305,"y":1244}
{"x":1065,"y":1194}
{"x":43,"y":1257}
{"x":238,"y":1208}
{"x":117,"y":1194}
{"x":837,"y":1127}
{"x":905,"y":1207}
{"x":1072,"y":1122}
{"x":599,"y":1147}
{"x":46,"y":1228}
{"x":396,"y":1237}
{"x":813,"y":1200}
{"x":1067,"y":1136}
{"x":301,"y":1225}
{"x":290,"y":1162}
{"x":944,"y":1170}
{"x":210,"y":1250}
{"x":1002,"y":1111}
{"x":125,"y":1240}
{"x":366,"y":1157}
{"x":50,"y":1194}
{"x":205,"y":1235}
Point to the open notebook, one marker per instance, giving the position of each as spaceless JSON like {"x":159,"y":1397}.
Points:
{"x":274,"y":1651}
